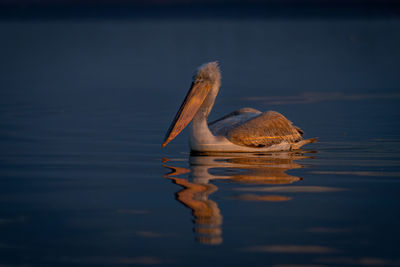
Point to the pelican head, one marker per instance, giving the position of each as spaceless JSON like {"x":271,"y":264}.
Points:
{"x":208,"y":73}
{"x":200,"y":98}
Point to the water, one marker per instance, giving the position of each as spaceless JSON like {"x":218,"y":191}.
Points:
{"x":85,"y":106}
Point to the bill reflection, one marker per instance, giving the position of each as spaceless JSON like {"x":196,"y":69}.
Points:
{"x":252,"y":169}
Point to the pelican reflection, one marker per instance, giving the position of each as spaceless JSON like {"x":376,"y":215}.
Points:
{"x":252,"y":169}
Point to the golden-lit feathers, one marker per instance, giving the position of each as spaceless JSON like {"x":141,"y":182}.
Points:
{"x":269,"y":128}
{"x":225,"y":124}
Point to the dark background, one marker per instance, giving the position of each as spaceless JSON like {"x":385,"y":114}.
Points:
{"x":88,"y":90}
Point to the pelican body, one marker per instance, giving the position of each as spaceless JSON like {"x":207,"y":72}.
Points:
{"x":244,"y":130}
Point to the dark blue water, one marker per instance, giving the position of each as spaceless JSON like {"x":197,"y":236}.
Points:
{"x":84,"y":106}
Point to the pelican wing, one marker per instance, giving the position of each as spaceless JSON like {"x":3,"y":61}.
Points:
{"x":225,"y":124}
{"x":266,"y":129}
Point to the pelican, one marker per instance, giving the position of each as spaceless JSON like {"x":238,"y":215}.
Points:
{"x":243,"y":130}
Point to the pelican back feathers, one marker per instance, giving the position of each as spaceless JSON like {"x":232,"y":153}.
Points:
{"x":269,"y":128}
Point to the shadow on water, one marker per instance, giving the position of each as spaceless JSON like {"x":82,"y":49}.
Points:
{"x":242,"y":168}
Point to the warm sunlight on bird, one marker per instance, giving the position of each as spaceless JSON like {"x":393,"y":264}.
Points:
{"x":244,"y":130}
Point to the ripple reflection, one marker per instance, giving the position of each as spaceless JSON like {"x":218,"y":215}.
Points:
{"x":243,"y":168}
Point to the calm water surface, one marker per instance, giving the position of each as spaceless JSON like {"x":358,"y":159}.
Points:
{"x":85,"y":105}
